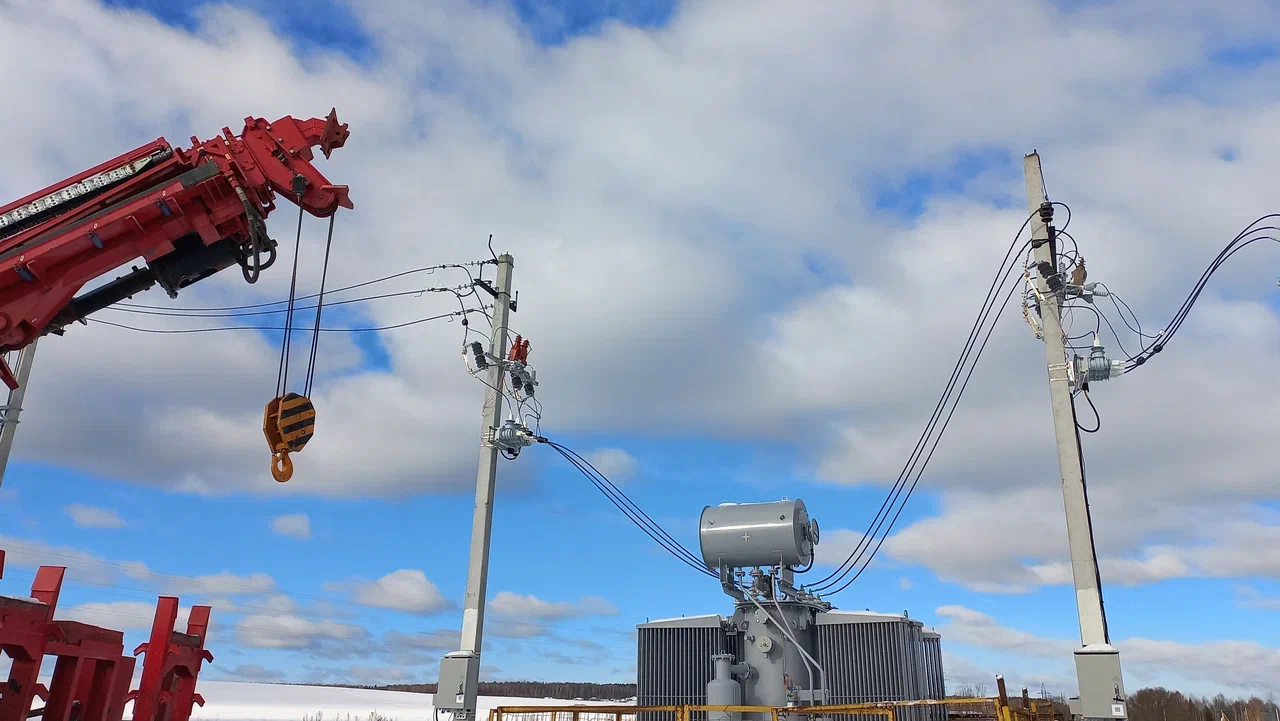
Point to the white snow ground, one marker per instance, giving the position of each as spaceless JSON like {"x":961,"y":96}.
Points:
{"x":233,"y":701}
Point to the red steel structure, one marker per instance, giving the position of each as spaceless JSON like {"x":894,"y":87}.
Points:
{"x":187,"y":213}
{"x":91,"y":675}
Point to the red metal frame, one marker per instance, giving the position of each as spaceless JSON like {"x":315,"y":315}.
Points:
{"x":180,"y":193}
{"x":167,"y":691}
{"x":26,"y":629}
{"x":91,"y":675}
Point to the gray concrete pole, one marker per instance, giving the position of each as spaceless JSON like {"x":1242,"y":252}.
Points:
{"x":462,"y":702}
{"x":1097,"y":662}
{"x":13,"y":408}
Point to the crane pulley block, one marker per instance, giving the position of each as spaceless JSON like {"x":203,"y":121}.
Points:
{"x":288,"y":422}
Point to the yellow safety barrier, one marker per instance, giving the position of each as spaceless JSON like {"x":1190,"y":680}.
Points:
{"x":998,"y":708}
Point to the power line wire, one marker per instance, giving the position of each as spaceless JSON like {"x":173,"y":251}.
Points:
{"x":373,"y":329}
{"x":1007,"y":265}
{"x":630,"y":509}
{"x":892,"y":523}
{"x":1239,"y":242}
{"x":426,"y":269}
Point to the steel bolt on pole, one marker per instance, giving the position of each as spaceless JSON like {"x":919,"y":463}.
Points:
{"x":460,"y":671}
{"x":1097,"y":661}
{"x":13,"y":408}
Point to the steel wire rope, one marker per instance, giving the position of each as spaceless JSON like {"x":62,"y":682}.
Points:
{"x":1007,"y":265}
{"x":282,"y":376}
{"x":315,"y":334}
{"x":934,"y":447}
{"x":631,"y":510}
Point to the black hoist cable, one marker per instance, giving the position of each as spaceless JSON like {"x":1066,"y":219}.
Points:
{"x":282,"y":375}
{"x":315,"y":333}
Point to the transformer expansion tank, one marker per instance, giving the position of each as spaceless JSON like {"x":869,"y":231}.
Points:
{"x":745,"y":535}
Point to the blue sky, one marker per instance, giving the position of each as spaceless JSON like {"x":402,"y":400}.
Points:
{"x":556,"y":538}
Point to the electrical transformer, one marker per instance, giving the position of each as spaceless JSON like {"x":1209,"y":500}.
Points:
{"x":782,"y":646}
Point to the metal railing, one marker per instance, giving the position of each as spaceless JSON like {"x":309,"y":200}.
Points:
{"x":997,"y":708}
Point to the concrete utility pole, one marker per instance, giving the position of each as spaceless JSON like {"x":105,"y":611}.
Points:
{"x":1097,"y":661}
{"x":13,"y":408}
{"x":460,"y":671}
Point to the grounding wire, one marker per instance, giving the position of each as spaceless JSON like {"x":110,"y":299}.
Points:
{"x":1096,"y":417}
{"x":1006,"y":266}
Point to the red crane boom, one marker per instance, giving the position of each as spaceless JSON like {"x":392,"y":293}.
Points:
{"x":187,"y":213}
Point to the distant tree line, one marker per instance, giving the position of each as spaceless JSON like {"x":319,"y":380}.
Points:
{"x":1161,"y":704}
{"x":569,"y":691}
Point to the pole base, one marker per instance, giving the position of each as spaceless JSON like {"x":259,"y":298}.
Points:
{"x":1101,"y":684}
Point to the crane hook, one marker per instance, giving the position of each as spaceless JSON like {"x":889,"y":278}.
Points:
{"x":281,"y":466}
{"x":288,"y":422}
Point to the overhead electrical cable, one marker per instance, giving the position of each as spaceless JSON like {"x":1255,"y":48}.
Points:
{"x":1242,"y":239}
{"x":614,"y":492}
{"x":629,"y":509}
{"x":1007,"y":266}
{"x":394,"y":326}
{"x":251,"y":306}
{"x":920,"y":472}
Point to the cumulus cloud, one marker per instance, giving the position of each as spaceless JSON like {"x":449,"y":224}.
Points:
{"x":711,"y":148}
{"x":515,"y":605}
{"x":92,"y":517}
{"x":293,"y":525}
{"x":614,"y":463}
{"x":1241,"y":666}
{"x":121,"y":615}
{"x":407,"y":590}
{"x":294,"y":632}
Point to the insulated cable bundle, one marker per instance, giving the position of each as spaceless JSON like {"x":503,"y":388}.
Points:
{"x":862,"y":554}
{"x":1251,"y":234}
{"x":629,"y":509}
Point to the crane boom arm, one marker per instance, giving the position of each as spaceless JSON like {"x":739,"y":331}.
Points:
{"x":187,"y":213}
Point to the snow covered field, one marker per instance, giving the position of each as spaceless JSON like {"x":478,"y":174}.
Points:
{"x":230,"y":701}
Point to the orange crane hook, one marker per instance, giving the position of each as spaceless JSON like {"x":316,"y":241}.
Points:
{"x":288,"y":422}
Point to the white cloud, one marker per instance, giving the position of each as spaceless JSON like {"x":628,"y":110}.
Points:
{"x":905,"y":584}
{"x":707,"y":148}
{"x":1239,"y":666}
{"x":407,"y":590}
{"x":294,"y":525}
{"x":613,"y":463}
{"x":1250,"y":597}
{"x":122,"y":615}
{"x":224,"y":583}
{"x":91,"y":517}
{"x":677,"y":167}
{"x":293,"y":632}
{"x":514,"y":605}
